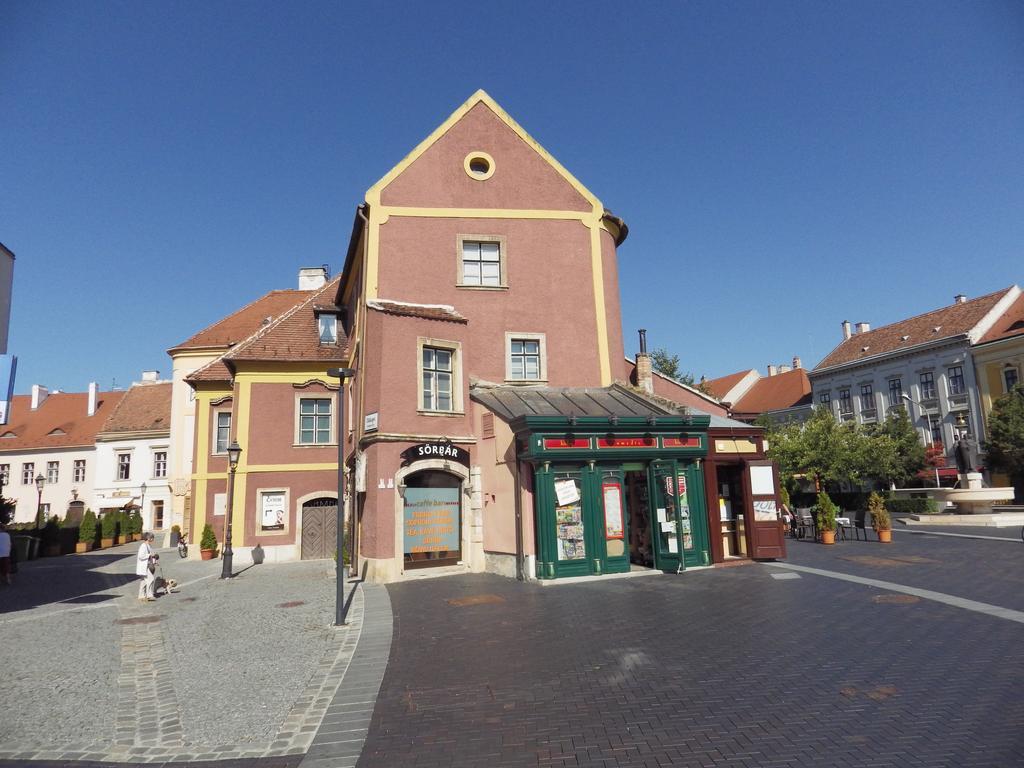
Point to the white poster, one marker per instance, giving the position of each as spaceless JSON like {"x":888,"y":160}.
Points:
{"x":220,"y":503}
{"x":762,"y":481}
{"x":765,"y":510}
{"x":272,"y":512}
{"x":567,"y":492}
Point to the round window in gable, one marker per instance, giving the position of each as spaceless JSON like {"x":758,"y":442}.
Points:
{"x":479,"y":165}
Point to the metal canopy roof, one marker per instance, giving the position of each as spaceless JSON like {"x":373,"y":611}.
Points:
{"x":512,"y":402}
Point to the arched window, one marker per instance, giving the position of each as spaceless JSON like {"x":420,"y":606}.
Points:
{"x":432,"y":519}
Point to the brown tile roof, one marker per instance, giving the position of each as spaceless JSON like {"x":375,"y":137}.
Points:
{"x":950,"y":321}
{"x":720,"y":387}
{"x":425,"y":311}
{"x":1011,"y":323}
{"x":241,"y":324}
{"x":770,"y":393}
{"x":144,"y":408}
{"x":212,"y":371}
{"x":61,"y":412}
{"x":294,"y":336}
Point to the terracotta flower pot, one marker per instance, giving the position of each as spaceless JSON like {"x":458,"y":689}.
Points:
{"x":207,"y":554}
{"x":104,"y":543}
{"x":884,"y":536}
{"x":83,"y":546}
{"x":828,"y":537}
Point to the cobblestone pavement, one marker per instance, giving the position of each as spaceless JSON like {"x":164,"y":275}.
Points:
{"x":241,"y":671}
{"x":746,"y":666}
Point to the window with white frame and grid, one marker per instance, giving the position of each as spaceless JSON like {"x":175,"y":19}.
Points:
{"x":27,"y":471}
{"x":927,"y":386}
{"x":481,"y":263}
{"x":52,"y":471}
{"x":5,"y":473}
{"x":1010,"y":378}
{"x":159,"y":463}
{"x":438,"y":370}
{"x":845,"y":401}
{"x":314,"y":420}
{"x":895,"y":392}
{"x":825,"y":399}
{"x":867,"y":397}
{"x":956,"y":380}
{"x":524,"y":359}
{"x":223,"y":435}
{"x":79,"y":473}
{"x":124,"y":466}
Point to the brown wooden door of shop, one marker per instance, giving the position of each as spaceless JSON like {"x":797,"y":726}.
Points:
{"x":319,"y":530}
{"x":767,"y":540}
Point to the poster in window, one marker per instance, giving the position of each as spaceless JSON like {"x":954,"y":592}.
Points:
{"x":432,"y":520}
{"x":612,"y":493}
{"x":569,"y":521}
{"x":762,"y":481}
{"x":272,"y":514}
{"x":567,"y":492}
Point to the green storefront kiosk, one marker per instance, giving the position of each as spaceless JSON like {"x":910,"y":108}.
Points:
{"x":613,"y":494}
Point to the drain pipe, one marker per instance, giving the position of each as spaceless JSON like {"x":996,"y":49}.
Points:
{"x":520,"y":570}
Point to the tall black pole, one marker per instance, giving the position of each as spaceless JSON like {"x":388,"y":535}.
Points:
{"x":340,"y":606}
{"x":233,"y":453}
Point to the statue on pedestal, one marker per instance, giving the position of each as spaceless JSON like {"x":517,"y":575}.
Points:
{"x":962,"y":451}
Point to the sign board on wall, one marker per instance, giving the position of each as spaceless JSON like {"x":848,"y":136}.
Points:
{"x":370,"y":422}
{"x":272,"y":511}
{"x":8,"y":367}
{"x":438,"y":449}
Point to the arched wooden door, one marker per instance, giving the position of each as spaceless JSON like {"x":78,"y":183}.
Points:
{"x":319,"y":528}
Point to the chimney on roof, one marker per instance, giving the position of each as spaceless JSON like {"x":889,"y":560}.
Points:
{"x":772,"y":370}
{"x":784,"y":368}
{"x":91,"y":411}
{"x":863,"y":327}
{"x":39,"y":393}
{"x":959,"y":299}
{"x":150,"y":377}
{"x":846,"y":330}
{"x":644,"y":369}
{"x":797,"y":363}
{"x":311,"y":278}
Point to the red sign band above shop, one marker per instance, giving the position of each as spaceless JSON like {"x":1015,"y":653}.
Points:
{"x":613,"y":442}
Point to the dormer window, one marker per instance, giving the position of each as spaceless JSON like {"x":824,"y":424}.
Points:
{"x":327,"y":328}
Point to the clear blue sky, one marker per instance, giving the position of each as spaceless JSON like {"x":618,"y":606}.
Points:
{"x":782,"y":166}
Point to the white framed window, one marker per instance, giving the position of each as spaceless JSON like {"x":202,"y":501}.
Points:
{"x":482,"y":262}
{"x":124,"y":466}
{"x":525,"y":357}
{"x":895,"y":392}
{"x":439,"y":376}
{"x":159,"y":463}
{"x":956,"y":380}
{"x":845,"y":402}
{"x":27,"y":472}
{"x":158,"y":514}
{"x":221,"y":431}
{"x":52,"y":471}
{"x":927,"y":386}
{"x":5,"y":473}
{"x":79,"y":471}
{"x":315,"y":422}
{"x":327,"y":328}
{"x":1010,"y":378}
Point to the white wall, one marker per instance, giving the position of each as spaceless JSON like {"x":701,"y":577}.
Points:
{"x":183,"y":413}
{"x":58,"y":495}
{"x":111,"y":492}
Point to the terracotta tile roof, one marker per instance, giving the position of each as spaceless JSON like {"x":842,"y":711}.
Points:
{"x":213,"y":371}
{"x":720,"y":387}
{"x":950,"y":321}
{"x":59,"y":422}
{"x":425,"y":311}
{"x":1010,"y":324}
{"x":241,"y":324}
{"x":770,"y":393}
{"x":294,"y":336}
{"x":144,"y":408}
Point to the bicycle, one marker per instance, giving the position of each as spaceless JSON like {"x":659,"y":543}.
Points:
{"x":183,"y":547}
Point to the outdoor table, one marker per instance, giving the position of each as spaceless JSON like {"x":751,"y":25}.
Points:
{"x":842,"y":523}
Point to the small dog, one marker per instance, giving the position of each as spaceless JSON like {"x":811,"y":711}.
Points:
{"x":167,"y":585}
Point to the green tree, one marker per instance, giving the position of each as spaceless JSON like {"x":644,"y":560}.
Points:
{"x":1004,"y":449}
{"x":666,"y":364}
{"x":904,"y":456}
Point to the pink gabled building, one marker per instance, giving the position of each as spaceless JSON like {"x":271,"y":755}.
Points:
{"x":491,"y":426}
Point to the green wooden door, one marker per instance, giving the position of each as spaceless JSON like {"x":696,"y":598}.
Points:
{"x":679,"y":519}
{"x":613,"y":526}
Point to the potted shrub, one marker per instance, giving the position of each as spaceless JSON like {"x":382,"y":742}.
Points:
{"x":881,"y":520}
{"x":51,"y":538}
{"x":175,"y":535}
{"x":825,"y":513}
{"x":208,"y":543}
{"x":135,"y":524}
{"x":124,"y":526}
{"x":108,"y":529}
{"x":86,"y":532}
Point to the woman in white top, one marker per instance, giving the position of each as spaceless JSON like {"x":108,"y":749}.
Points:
{"x":142,"y":567}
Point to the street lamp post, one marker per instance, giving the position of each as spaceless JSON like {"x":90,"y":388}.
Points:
{"x":40,"y":482}
{"x":920,"y":408}
{"x":142,"y":502}
{"x":340,"y":606}
{"x":234,"y":452}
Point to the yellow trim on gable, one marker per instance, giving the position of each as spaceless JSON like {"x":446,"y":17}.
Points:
{"x":600,"y":313}
{"x":486,"y":213}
